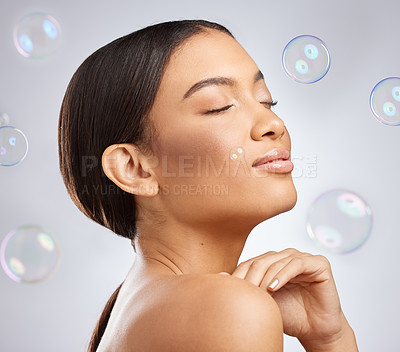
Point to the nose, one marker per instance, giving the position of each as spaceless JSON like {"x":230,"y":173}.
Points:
{"x":267,"y":123}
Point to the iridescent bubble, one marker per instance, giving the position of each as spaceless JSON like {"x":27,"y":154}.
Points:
{"x":37,"y":35}
{"x":235,"y":153}
{"x":29,"y":254}
{"x":339,"y":220}
{"x":385,"y":101}
{"x":13,"y":146}
{"x":306,"y":59}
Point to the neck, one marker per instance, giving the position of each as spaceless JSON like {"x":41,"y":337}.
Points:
{"x":191,"y":250}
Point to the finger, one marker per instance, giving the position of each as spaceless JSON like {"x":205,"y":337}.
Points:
{"x":255,"y":270}
{"x":223,"y":273}
{"x":274,"y":269}
{"x":242,"y":269}
{"x":284,"y":253}
{"x":312,"y":269}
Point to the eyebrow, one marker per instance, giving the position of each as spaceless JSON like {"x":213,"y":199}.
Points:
{"x":217,"y":81}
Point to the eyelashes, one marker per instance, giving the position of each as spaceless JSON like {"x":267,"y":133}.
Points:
{"x":215,"y":111}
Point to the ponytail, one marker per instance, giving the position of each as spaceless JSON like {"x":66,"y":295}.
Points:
{"x":102,"y":322}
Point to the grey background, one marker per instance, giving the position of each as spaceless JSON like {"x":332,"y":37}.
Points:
{"x":330,"y":119}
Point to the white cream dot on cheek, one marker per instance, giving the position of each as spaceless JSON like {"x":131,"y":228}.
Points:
{"x":236,"y":153}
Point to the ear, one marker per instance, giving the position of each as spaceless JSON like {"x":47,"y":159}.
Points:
{"x":129,"y":169}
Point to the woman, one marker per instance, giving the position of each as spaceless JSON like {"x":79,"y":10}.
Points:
{"x":174,"y":110}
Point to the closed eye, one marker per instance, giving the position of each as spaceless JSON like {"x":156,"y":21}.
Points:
{"x":215,"y":111}
{"x":270,"y":103}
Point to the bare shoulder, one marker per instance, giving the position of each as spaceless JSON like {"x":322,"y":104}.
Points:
{"x":212,"y":312}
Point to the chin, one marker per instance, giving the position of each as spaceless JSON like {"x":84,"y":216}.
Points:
{"x":290,"y":198}
{"x":292,"y":201}
{"x":283,"y":200}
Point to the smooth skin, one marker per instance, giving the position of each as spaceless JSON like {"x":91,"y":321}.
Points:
{"x":191,"y":239}
{"x":209,"y":312}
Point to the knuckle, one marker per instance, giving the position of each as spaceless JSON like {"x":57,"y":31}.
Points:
{"x":291,"y":251}
{"x":257,"y":263}
{"x":298,"y":260}
{"x":275,"y":265}
{"x":306,"y":254}
{"x":242,"y":265}
{"x":323,"y":259}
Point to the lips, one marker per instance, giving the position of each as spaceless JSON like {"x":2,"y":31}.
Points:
{"x":274,"y":154}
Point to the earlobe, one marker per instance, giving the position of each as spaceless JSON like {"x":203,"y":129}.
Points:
{"x":121,"y":164}
{"x":142,"y":187}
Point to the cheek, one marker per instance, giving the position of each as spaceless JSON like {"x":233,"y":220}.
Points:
{"x":190,"y":149}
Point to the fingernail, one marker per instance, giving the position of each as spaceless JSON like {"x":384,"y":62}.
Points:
{"x":273,"y":285}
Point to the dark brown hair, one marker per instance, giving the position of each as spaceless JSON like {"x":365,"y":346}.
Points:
{"x":108,"y":101}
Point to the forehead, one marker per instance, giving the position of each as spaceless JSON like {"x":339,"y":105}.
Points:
{"x":204,"y":55}
{"x":205,"y":49}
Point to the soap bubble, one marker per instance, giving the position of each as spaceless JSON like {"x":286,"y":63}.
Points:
{"x":385,"y":101}
{"x":339,"y":220}
{"x":306,"y":59}
{"x":29,"y":254}
{"x":13,"y":146}
{"x":37,"y":35}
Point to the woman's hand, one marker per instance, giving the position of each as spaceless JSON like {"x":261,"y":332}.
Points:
{"x":304,"y":291}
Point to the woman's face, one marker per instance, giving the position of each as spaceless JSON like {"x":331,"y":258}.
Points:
{"x":200,"y":178}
